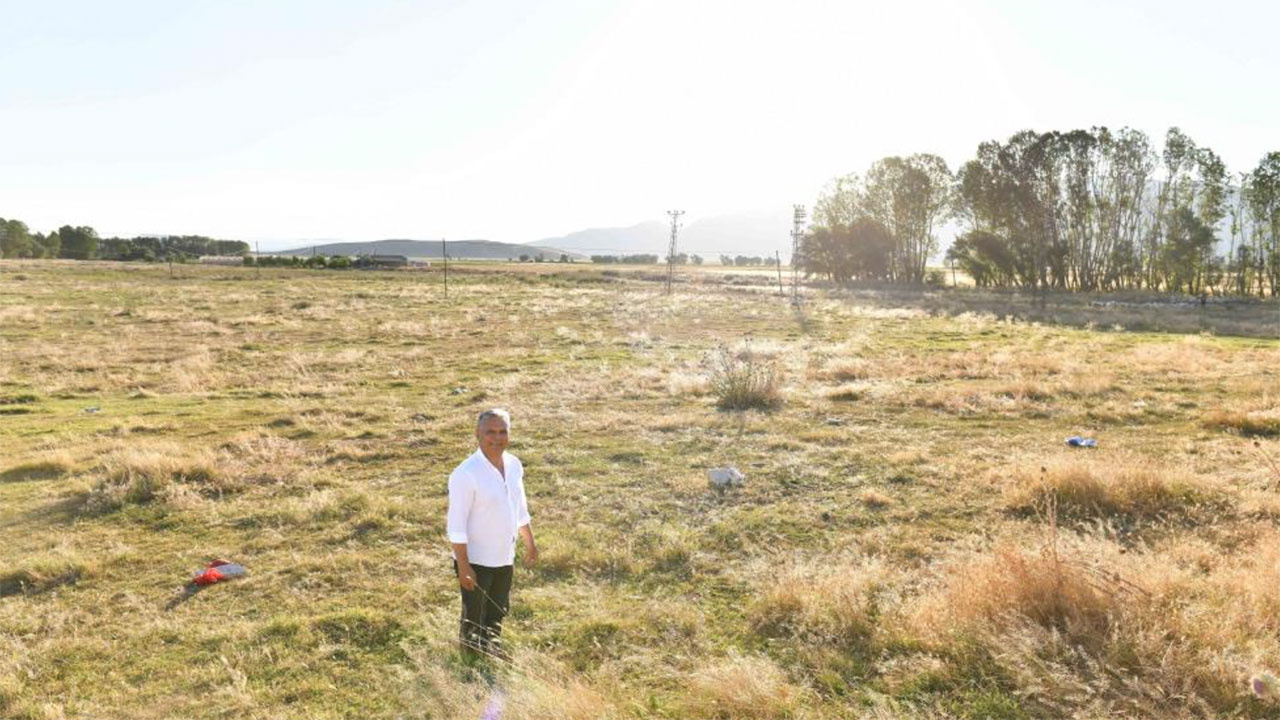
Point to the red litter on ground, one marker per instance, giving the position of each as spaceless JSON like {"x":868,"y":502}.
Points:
{"x":217,"y":571}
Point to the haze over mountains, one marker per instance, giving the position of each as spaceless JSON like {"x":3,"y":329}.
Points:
{"x":758,"y":233}
{"x":432,"y":249}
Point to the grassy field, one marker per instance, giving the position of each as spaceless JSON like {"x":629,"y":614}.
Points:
{"x":913,"y":539}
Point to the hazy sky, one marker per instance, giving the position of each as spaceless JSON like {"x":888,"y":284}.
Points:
{"x":524,"y":119}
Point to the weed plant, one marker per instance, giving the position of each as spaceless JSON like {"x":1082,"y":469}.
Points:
{"x":742,"y":379}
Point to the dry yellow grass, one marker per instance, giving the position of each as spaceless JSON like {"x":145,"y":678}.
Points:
{"x":751,"y":688}
{"x":304,"y":423}
{"x":47,"y":465}
{"x":139,"y":475}
{"x":842,"y":369}
{"x":1048,"y":590}
{"x":1085,"y":486}
{"x":875,"y":499}
{"x":1249,"y":424}
{"x":831,"y":600}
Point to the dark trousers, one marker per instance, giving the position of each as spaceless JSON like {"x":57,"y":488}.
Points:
{"x":483,"y":610}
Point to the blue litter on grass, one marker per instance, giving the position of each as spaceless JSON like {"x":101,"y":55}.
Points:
{"x":1081,"y":442}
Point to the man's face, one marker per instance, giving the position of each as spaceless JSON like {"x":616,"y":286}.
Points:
{"x":492,"y":435}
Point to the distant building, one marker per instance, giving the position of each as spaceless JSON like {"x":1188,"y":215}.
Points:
{"x":222,"y":260}
{"x":382,"y":261}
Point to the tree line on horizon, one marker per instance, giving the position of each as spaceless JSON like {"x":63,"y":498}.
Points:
{"x":82,"y":243}
{"x":1084,"y":210}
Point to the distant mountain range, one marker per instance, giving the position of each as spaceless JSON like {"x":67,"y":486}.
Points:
{"x":755,"y":234}
{"x":431,"y":249}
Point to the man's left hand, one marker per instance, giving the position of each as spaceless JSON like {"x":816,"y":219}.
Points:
{"x":530,"y":556}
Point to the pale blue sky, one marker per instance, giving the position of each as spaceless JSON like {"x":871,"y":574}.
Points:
{"x":519,"y":120}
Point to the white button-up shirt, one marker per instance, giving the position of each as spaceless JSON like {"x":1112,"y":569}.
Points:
{"x":486,"y":509}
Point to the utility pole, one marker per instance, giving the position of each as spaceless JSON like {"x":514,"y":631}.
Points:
{"x":444,"y":257}
{"x":671,"y":252}
{"x":798,"y":217}
{"x":777,"y":258}
{"x":257,"y":261}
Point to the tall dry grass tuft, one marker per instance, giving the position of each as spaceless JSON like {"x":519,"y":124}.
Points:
{"x":140,"y":475}
{"x":1270,"y":462}
{"x":195,"y":372}
{"x":848,"y":392}
{"x":43,"y":574}
{"x":683,"y":382}
{"x":834,"y":602}
{"x":48,"y":466}
{"x":1248,"y":424}
{"x":1092,"y":488}
{"x":555,"y":698}
{"x":1227,"y":620}
{"x":750,"y":688}
{"x":843,"y":369}
{"x":1094,"y":631}
{"x":259,"y":458}
{"x":1012,"y":583}
{"x":743,"y":379}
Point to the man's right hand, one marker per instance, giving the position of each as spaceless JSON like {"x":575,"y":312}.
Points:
{"x":467,"y":577}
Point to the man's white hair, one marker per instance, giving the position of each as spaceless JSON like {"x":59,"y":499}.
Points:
{"x":493,"y":413}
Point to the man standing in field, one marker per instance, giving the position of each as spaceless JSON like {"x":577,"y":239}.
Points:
{"x":487,"y":509}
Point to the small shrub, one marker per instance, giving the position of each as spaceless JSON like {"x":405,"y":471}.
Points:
{"x":743,"y":380}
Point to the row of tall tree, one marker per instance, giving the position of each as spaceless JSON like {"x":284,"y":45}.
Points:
{"x":1089,"y":210}
{"x":83,"y":243}
{"x":747,"y":261}
{"x":76,"y":243}
{"x":637,"y":259}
